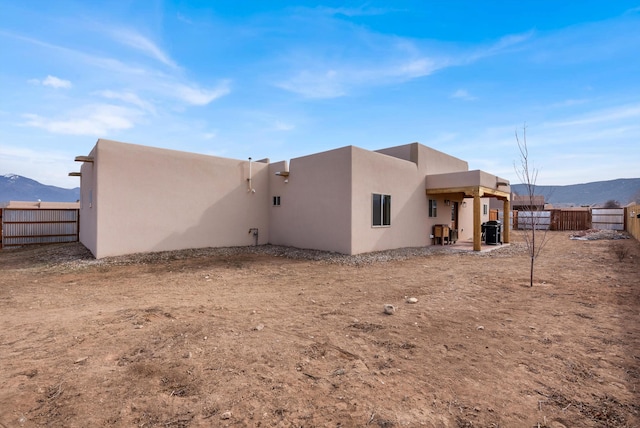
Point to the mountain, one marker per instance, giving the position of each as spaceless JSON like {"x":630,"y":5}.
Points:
{"x":17,"y":188}
{"x":622,"y":190}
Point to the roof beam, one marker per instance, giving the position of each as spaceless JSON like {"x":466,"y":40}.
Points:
{"x":470,"y":191}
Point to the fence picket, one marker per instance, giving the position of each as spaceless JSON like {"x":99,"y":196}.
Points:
{"x":38,"y":226}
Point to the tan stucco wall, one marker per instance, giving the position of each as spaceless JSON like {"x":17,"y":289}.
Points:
{"x":315,"y":203}
{"x":88,"y":214}
{"x":408,"y":152}
{"x":383,"y":174}
{"x":465,"y":226}
{"x":437,"y":162}
{"x":149,"y":199}
{"x":326,"y":201}
{"x":138,"y":199}
{"x":428,"y":160}
{"x":466,"y":179}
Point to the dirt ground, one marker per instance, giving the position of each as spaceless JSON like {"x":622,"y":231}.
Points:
{"x":246,"y":338}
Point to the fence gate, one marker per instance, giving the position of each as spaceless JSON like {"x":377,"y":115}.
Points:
{"x":607,"y":218}
{"x":38,"y":226}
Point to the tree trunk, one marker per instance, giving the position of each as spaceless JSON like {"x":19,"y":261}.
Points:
{"x":531,"y":275}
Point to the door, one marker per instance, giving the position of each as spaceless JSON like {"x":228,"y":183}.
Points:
{"x":453,"y":234}
{"x":454,"y":215}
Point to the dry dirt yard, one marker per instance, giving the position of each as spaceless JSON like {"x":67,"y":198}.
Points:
{"x":268,"y":336}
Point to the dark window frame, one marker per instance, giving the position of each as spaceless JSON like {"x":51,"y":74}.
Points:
{"x":433,"y":208}
{"x":381,"y":210}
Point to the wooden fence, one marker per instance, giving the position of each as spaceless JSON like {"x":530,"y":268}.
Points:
{"x":38,"y":226}
{"x":627,"y":219}
{"x":570,"y":220}
{"x":559,"y":219}
{"x":632,"y":221}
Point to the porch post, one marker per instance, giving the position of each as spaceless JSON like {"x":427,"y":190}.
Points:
{"x":506,"y":207}
{"x":477,"y":226}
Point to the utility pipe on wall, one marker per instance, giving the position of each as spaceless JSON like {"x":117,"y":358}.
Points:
{"x":254,"y":230}
{"x":250,"y":189}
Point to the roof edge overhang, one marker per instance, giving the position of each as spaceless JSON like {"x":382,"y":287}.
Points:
{"x":470,"y":191}
{"x":465,"y":184}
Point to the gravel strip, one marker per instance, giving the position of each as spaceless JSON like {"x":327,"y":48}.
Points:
{"x":595,"y":235}
{"x":76,"y":256}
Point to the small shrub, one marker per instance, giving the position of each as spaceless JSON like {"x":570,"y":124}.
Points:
{"x":620,"y":251}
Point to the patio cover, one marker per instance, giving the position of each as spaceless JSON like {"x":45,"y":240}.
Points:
{"x":473,"y":184}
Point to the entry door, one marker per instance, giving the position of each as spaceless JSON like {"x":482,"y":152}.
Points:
{"x":454,"y":215}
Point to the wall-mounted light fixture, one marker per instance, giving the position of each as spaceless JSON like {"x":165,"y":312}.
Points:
{"x":464,"y":204}
{"x":447,"y":202}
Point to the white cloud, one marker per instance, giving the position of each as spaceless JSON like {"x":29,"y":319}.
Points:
{"x":183,"y":18}
{"x":337,"y":81}
{"x":54,"y":82}
{"x":127,"y":97}
{"x":416,"y":68}
{"x":569,"y":103}
{"x":137,"y":41}
{"x":283,"y":126}
{"x":396,"y":60}
{"x":353,"y":11}
{"x":607,"y":115}
{"x":152,"y":81}
{"x":94,"y":120}
{"x":632,"y":11}
{"x":463,"y":94}
{"x":43,"y":165}
{"x":98,"y":61}
{"x":315,"y":85}
{"x":199,"y":96}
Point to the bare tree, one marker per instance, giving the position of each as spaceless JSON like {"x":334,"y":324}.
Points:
{"x":534,"y":238}
{"x":611,"y":203}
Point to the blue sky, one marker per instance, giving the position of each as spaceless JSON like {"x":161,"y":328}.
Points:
{"x":285,"y":79}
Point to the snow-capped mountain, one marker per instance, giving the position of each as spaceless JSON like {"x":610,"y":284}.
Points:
{"x":18,"y":188}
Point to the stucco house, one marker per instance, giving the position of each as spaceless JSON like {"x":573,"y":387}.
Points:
{"x":348,"y":200}
{"x":527,"y":203}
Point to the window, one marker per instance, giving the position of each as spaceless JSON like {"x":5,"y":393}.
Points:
{"x":276,"y":201}
{"x":485,"y":209}
{"x":381,"y":210}
{"x":433,"y":208}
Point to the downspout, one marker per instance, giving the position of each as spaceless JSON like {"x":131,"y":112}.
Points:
{"x":250,"y":189}
{"x":253,"y":230}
